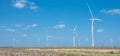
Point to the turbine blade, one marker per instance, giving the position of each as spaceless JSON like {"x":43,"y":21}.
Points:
{"x":98,"y":19}
{"x":90,"y":12}
{"x":75,"y":28}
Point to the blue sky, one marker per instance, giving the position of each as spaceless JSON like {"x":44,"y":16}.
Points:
{"x":30,"y":20}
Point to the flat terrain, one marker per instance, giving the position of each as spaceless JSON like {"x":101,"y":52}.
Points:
{"x":60,"y":51}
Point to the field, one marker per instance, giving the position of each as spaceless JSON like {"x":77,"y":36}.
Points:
{"x":61,"y":51}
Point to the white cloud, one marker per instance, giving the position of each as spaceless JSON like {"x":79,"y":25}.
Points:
{"x":24,"y":35}
{"x":27,"y":27}
{"x":30,"y":26}
{"x":24,"y":3}
{"x":50,"y":36}
{"x":10,"y":30}
{"x":86,"y":39}
{"x":19,"y":3}
{"x":19,"y":25}
{"x":33,"y":6}
{"x":60,"y":26}
{"x":111,"y":11}
{"x":34,"y":25}
{"x":2,"y":26}
{"x":100,"y":30}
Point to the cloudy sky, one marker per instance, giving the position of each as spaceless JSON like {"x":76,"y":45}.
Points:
{"x":30,"y":21}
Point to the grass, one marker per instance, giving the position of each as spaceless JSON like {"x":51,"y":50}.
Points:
{"x":55,"y":52}
{"x":86,"y":53}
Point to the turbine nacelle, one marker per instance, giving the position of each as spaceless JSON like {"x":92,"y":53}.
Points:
{"x":75,"y":28}
{"x":97,"y":19}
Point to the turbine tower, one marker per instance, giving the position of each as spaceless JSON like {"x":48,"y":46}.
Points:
{"x":47,"y":39}
{"x":92,"y":24}
{"x":38,"y":42}
{"x":111,"y":42}
{"x":14,"y":41}
{"x":74,"y":36}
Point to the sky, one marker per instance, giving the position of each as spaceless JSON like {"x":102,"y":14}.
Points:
{"x":27,"y":23}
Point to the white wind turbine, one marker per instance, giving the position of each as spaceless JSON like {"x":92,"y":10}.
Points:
{"x":14,"y":42}
{"x":38,"y":42}
{"x":47,"y":40}
{"x":92,"y":24}
{"x":111,"y":42}
{"x":74,"y":35}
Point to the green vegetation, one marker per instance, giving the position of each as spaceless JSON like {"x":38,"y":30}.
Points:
{"x":87,"y":53}
{"x":57,"y":52}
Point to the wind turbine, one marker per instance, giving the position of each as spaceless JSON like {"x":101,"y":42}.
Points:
{"x":92,"y":24}
{"x":111,"y":41}
{"x":38,"y":42}
{"x":74,"y":36}
{"x":14,"y":41}
{"x":47,"y":39}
